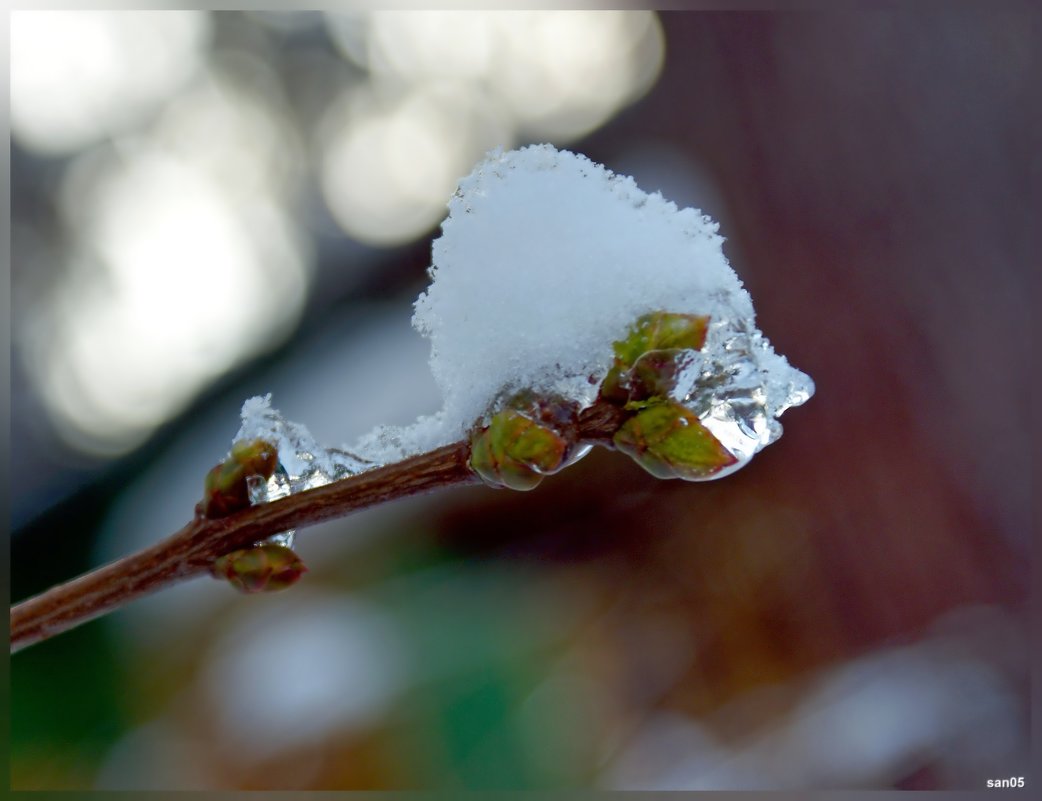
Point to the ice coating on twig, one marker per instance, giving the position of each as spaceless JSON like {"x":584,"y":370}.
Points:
{"x":545,"y":259}
{"x":303,"y":463}
{"x":306,"y":463}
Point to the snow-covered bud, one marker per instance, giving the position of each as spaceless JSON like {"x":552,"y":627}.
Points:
{"x":669,"y":441}
{"x":262,"y":568}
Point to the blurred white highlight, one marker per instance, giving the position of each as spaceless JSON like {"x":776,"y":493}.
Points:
{"x":183,"y":262}
{"x":867,"y":723}
{"x":78,"y":76}
{"x":390,"y":162}
{"x":292,"y":673}
{"x":446,"y":86}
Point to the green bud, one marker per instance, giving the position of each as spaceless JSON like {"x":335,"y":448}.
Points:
{"x":262,"y":568}
{"x":514,"y":451}
{"x":224,"y":489}
{"x":653,"y":375}
{"x":661,"y":332}
{"x":669,"y":441}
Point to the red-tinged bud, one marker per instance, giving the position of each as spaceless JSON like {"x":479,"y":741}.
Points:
{"x":225,"y":490}
{"x":514,"y":451}
{"x":654,"y":374}
{"x":263,"y":568}
{"x":533,"y":435}
{"x":669,"y":441}
{"x":661,"y":330}
{"x":645,"y":361}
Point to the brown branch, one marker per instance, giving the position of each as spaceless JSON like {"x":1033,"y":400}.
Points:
{"x":190,"y":551}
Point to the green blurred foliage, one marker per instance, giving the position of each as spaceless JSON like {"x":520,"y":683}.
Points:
{"x":67,"y":709}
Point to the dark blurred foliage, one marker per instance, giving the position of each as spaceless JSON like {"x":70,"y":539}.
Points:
{"x":878,"y":182}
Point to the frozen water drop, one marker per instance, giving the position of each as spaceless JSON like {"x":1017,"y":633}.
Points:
{"x":738,"y":386}
{"x":261,"y":491}
{"x":577,"y":453}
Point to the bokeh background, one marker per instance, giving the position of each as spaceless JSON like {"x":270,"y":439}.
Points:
{"x":212,"y":205}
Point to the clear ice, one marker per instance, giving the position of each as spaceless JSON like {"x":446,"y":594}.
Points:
{"x":546,"y":259}
{"x":738,"y":387}
{"x":303,"y":463}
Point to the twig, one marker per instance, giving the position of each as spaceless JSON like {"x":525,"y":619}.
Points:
{"x":190,"y":551}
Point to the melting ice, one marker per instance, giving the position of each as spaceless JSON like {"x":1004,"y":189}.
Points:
{"x":545,"y":259}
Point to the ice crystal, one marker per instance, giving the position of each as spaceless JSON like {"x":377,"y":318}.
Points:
{"x":303,"y":463}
